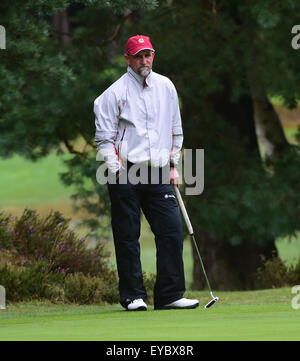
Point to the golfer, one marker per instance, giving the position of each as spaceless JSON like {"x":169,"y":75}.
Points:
{"x":139,"y":135}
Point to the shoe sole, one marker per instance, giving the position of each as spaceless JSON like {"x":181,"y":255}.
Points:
{"x":142,"y":308}
{"x":176,"y":308}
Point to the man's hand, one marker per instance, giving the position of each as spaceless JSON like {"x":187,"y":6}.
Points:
{"x":174,"y":177}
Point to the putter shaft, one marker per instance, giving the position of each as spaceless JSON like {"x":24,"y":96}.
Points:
{"x":191,"y":232}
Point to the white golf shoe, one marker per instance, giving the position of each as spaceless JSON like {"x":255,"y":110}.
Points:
{"x":137,"y":305}
{"x":182,"y":303}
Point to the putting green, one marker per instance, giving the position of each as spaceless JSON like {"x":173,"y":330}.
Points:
{"x":258,"y":315}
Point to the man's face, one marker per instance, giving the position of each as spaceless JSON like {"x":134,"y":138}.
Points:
{"x":141,"y":63}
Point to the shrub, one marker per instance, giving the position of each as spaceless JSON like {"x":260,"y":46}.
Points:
{"x":82,"y":289}
{"x":30,"y":282}
{"x":4,"y":233}
{"x":41,"y":257}
{"x":149,"y":282}
{"x":275,"y":273}
{"x":111,"y":289}
{"x":50,"y":239}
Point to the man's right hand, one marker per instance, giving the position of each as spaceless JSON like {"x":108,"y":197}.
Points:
{"x":174,"y":177}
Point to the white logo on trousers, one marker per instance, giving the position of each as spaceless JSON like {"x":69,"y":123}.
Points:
{"x":169,"y":196}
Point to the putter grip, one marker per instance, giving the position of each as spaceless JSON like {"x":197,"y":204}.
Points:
{"x":184,"y":212}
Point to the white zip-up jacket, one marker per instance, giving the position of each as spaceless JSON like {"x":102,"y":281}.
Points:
{"x":138,"y":120}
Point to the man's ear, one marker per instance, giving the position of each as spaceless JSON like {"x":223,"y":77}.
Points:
{"x":126,"y":56}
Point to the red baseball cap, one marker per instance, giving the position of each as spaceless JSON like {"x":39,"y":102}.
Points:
{"x":138,"y":43}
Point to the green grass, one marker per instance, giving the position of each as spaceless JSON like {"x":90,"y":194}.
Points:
{"x":36,"y":185}
{"x":23,"y":182}
{"x":289,"y":249}
{"x":291,"y":134}
{"x":249,"y":315}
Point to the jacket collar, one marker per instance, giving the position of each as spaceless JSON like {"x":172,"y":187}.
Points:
{"x":139,"y":78}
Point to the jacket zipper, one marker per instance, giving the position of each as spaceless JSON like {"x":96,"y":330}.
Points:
{"x":120,"y":143}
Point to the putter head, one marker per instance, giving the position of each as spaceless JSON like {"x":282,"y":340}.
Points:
{"x":211,"y":302}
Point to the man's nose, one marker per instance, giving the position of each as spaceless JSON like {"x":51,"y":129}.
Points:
{"x":144,"y":59}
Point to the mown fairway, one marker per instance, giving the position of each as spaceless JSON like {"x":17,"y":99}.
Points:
{"x":257,"y":315}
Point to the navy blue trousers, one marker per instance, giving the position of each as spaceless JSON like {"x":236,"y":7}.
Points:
{"x":159,"y":205}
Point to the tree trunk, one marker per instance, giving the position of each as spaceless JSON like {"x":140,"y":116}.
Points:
{"x":61,"y":27}
{"x":230,"y":266}
{"x":267,"y":123}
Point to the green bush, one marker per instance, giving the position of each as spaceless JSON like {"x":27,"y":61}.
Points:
{"x":111,"y":290}
{"x":50,"y":239}
{"x":83,"y":289}
{"x":41,"y":257}
{"x":149,"y":282}
{"x":30,"y":282}
{"x":275,"y":273}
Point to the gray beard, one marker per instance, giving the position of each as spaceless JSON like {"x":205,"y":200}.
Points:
{"x":144,"y":71}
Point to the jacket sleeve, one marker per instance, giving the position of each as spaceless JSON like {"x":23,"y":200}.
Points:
{"x":176,"y":130}
{"x":107,"y":117}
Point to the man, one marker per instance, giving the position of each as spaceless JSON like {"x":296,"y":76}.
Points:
{"x":138,"y":129}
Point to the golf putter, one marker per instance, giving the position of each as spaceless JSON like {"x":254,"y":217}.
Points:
{"x":191,"y":232}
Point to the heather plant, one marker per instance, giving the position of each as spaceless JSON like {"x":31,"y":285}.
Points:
{"x":42,"y":257}
{"x":4,"y":234}
{"x":50,"y":238}
{"x":31,"y":282}
{"x":82,"y":289}
{"x":149,"y":283}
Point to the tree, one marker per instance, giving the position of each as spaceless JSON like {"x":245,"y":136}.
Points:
{"x":60,"y":56}
{"x":226,"y":58}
